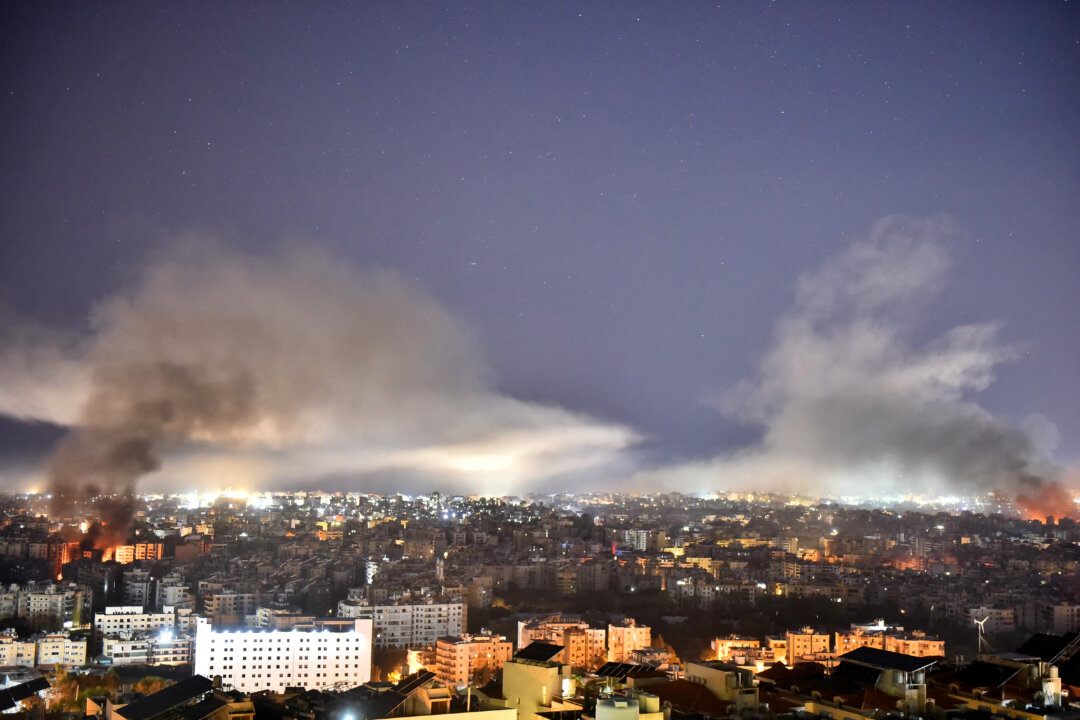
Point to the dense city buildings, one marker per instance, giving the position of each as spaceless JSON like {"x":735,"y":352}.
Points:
{"x":648,"y":598}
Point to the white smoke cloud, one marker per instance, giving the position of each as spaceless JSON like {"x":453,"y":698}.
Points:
{"x":279,"y":369}
{"x":849,"y":403}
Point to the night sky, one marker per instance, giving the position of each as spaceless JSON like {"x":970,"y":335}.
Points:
{"x":637,"y":220}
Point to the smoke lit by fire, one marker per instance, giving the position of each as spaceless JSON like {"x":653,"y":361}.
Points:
{"x":1045,"y":498}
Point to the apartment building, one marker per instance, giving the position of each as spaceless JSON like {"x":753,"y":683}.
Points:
{"x":60,"y":649}
{"x":807,"y":644}
{"x":42,"y":649}
{"x":229,"y":608}
{"x":470,"y":659}
{"x":143,"y":648}
{"x":626,"y":637}
{"x":17,"y":653}
{"x":254,"y":660}
{"x":408,"y":624}
{"x":119,"y":619}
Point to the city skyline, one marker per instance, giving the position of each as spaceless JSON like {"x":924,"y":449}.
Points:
{"x":494,"y":249}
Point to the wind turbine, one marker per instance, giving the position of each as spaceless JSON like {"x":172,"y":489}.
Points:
{"x":982,"y":640}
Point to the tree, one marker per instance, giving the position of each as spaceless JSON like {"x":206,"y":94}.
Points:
{"x":151,"y":684}
{"x":64,"y":693}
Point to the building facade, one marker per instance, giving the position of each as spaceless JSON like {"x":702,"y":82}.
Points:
{"x":470,"y":659}
{"x":254,"y":660}
{"x":408,"y":624}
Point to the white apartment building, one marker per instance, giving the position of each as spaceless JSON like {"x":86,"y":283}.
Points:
{"x":253,"y":660}
{"x":119,"y":619}
{"x":636,"y":539}
{"x":126,"y":649}
{"x":175,"y":594}
{"x":408,"y":625}
{"x":169,"y":649}
{"x":158,"y":648}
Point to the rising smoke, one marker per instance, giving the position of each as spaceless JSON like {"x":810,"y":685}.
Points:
{"x":849,"y":403}
{"x":284,"y":368}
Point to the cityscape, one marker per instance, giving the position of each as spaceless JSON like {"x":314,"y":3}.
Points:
{"x":549,"y":360}
{"x":285,"y":604}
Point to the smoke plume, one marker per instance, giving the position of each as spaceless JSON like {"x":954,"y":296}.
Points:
{"x":849,"y":403}
{"x":283,"y":368}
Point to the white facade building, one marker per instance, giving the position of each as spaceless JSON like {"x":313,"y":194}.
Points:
{"x":408,"y":625}
{"x":60,"y":649}
{"x":126,"y":649}
{"x":119,"y":619}
{"x":159,"y":648}
{"x":253,"y":660}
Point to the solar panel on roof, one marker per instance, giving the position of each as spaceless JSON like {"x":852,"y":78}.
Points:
{"x":538,"y":651}
{"x":37,"y":684}
{"x":560,"y":714}
{"x":983,"y":674}
{"x":179,"y":693}
{"x":620,"y":670}
{"x":887,"y":659}
{"x":858,"y":674}
{"x":1046,"y":647}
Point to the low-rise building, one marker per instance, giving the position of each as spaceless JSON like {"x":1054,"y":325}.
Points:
{"x":470,"y":659}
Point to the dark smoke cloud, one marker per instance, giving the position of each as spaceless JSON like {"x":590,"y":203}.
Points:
{"x":850,"y":404}
{"x":250,"y":370}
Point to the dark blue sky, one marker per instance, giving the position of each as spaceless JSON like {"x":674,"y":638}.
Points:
{"x":618,"y":197}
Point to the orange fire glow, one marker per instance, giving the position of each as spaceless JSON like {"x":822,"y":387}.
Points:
{"x":1049,"y":498}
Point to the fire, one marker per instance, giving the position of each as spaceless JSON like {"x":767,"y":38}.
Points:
{"x":416,"y":663}
{"x":1044,"y":500}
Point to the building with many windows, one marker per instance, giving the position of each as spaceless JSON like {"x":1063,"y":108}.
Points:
{"x":625,"y":637}
{"x":119,"y":619}
{"x":407,"y":625}
{"x":148,"y":648}
{"x":41,"y":649}
{"x":324,"y":658}
{"x":470,"y":659}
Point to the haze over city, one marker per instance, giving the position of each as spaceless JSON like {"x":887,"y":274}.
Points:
{"x":500,"y":248}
